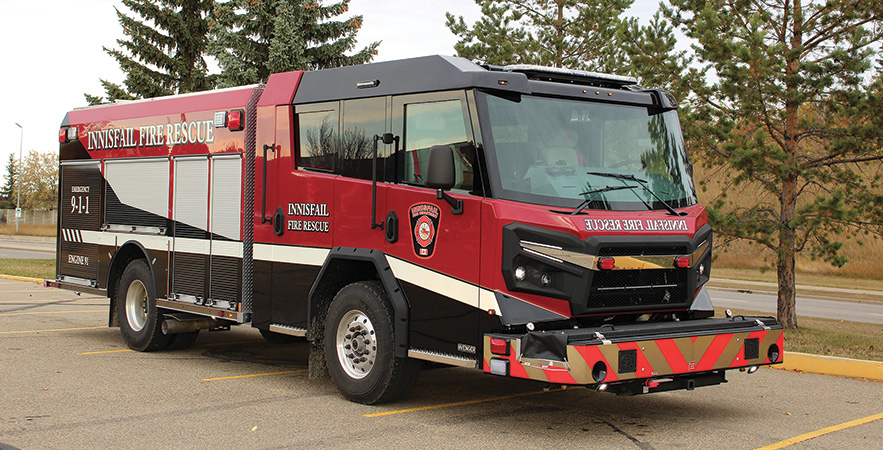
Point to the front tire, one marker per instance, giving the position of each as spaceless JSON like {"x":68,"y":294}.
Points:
{"x":360,"y":346}
{"x":140,"y":320}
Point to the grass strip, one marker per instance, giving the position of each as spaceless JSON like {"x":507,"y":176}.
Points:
{"x":829,"y":337}
{"x":32,"y":268}
{"x":29,"y":230}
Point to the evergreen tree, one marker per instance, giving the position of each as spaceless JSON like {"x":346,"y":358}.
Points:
{"x":255,"y":38}
{"x":578,"y":34}
{"x":652,"y":58}
{"x":163,"y":51}
{"x":793,"y":113}
{"x":11,"y":176}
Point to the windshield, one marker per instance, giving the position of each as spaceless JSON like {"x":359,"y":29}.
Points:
{"x":566,"y":152}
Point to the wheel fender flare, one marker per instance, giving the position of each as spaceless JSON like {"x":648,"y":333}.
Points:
{"x":377,"y":258}
{"x":144,"y":253}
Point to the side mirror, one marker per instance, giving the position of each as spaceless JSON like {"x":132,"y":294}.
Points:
{"x":440,"y":169}
{"x":441,"y":175}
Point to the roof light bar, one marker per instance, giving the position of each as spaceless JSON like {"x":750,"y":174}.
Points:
{"x":573,"y":73}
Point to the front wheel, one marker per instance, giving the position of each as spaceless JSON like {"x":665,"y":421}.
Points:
{"x":140,"y":320}
{"x":360,"y":346}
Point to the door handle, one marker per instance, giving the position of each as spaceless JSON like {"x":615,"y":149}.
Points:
{"x":279,"y":222}
{"x":392,"y":227}
{"x":264,"y":190}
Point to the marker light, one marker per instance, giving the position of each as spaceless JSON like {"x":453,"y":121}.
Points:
{"x":220,"y":119}
{"x":500,"y":346}
{"x":520,"y":273}
{"x":606,"y":263}
{"x":236,"y":120}
{"x":682,"y":262}
{"x":499,"y":366}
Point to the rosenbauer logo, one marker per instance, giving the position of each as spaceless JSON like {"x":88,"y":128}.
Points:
{"x":424,"y":223}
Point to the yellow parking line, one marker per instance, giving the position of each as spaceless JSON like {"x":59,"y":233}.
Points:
{"x":254,"y":375}
{"x":822,"y":432}
{"x":52,"y":312}
{"x":46,"y":331}
{"x":463,"y":403}
{"x":106,"y":351}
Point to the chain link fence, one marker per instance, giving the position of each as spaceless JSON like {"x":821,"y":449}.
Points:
{"x":29,"y":217}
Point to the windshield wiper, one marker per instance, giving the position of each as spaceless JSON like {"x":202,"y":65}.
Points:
{"x":597,"y":192}
{"x":643,"y":183}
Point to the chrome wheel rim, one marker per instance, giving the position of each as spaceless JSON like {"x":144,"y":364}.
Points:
{"x":136,"y":305}
{"x":356,"y":344}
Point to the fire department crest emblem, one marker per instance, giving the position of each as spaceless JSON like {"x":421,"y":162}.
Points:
{"x":424,"y":223}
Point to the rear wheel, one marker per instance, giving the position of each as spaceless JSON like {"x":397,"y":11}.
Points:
{"x":140,"y":320}
{"x":360,"y":346}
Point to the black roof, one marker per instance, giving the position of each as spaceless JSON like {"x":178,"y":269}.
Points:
{"x":406,"y":76}
{"x":442,"y":73}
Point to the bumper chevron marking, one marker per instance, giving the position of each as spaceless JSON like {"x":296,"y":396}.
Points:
{"x":656,"y":357}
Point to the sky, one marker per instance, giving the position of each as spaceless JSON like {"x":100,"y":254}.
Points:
{"x":52,"y":54}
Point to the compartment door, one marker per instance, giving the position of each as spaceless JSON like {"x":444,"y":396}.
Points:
{"x":190,"y":216}
{"x":80,"y":214}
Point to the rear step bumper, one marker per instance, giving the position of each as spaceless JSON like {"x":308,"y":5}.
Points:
{"x":659,"y":356}
{"x":75,"y":286}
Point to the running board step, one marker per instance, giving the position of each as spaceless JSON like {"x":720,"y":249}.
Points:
{"x":288,"y":329}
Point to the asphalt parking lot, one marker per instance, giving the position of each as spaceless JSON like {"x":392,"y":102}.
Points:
{"x":67,"y":381}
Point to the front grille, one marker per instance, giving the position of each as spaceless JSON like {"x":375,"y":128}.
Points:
{"x":666,"y":288}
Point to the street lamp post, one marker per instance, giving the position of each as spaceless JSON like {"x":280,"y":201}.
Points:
{"x":18,"y":202}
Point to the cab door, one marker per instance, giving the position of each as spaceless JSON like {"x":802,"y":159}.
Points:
{"x":434,"y":251}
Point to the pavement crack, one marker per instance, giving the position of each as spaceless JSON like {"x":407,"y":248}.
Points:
{"x":636,"y":441}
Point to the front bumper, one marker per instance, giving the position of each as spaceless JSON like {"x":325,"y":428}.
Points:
{"x":671,"y":353}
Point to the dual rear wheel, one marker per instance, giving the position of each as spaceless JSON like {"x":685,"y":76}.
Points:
{"x":140,"y":319}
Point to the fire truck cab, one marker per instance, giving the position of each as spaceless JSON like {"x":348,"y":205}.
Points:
{"x":525,"y":221}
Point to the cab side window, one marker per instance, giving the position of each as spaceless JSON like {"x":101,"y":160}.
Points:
{"x":436,"y":123}
{"x":362,"y":120}
{"x":317,"y":139}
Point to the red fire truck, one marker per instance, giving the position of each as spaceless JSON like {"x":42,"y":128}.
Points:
{"x":524,"y":221}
